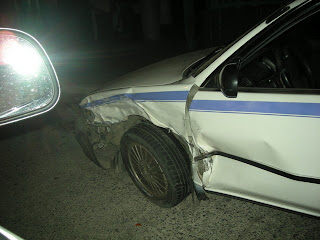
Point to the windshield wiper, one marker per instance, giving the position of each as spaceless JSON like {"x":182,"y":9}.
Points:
{"x":197,"y":64}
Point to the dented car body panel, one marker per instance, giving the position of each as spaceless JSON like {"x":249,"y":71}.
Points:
{"x":258,"y":146}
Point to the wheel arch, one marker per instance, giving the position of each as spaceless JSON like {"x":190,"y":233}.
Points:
{"x":180,"y":142}
{"x":176,"y":138}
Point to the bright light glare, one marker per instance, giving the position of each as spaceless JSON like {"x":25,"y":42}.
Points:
{"x":23,"y":59}
{"x":8,"y":234}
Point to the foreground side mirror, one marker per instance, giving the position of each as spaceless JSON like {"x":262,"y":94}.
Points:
{"x":228,"y":79}
{"x":28,"y":82}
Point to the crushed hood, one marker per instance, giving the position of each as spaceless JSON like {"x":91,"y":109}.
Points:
{"x":161,"y":73}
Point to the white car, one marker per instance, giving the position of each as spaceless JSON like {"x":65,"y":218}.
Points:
{"x":243,"y":120}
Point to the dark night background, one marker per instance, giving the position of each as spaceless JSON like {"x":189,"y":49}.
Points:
{"x":81,"y":35}
{"x":48,"y":187}
{"x":189,"y":24}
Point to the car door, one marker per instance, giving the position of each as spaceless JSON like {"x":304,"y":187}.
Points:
{"x":280,"y":131}
{"x":274,"y":122}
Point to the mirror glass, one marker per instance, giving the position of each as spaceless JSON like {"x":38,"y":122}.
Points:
{"x":25,"y":81}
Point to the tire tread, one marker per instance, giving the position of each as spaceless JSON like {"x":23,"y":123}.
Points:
{"x":171,"y":157}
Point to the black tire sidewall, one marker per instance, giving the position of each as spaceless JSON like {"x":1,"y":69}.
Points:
{"x":133,"y":137}
{"x":131,"y":140}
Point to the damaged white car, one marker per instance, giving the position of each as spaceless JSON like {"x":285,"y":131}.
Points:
{"x":243,"y":120}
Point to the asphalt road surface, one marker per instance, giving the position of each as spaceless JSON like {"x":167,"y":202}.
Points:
{"x":50,"y":190}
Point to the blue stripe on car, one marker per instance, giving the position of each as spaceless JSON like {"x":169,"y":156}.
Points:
{"x":99,"y":102}
{"x":257,"y":107}
{"x":172,"y":96}
{"x":159,"y":96}
{"x":225,"y":106}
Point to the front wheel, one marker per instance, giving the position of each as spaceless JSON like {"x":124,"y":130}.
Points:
{"x":155,"y":164}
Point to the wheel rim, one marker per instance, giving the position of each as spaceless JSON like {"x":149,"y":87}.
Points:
{"x":147,"y":171}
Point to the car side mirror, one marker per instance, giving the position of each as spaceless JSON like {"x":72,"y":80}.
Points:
{"x":28,"y":83}
{"x":228,"y":79}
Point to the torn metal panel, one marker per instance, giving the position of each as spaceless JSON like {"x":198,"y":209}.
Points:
{"x":120,"y":112}
{"x":113,"y":112}
{"x":164,"y":108}
{"x":101,"y":142}
{"x":199,"y":168}
{"x":112,"y":109}
{"x":187,"y":121}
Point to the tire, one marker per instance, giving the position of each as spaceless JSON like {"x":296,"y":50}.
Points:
{"x":155,"y":164}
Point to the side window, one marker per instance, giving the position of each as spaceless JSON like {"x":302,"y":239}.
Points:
{"x":289,"y":61}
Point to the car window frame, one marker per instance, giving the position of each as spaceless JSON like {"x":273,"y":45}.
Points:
{"x":254,"y":45}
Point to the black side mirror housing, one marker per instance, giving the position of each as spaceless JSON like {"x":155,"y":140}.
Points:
{"x":228,"y":80}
